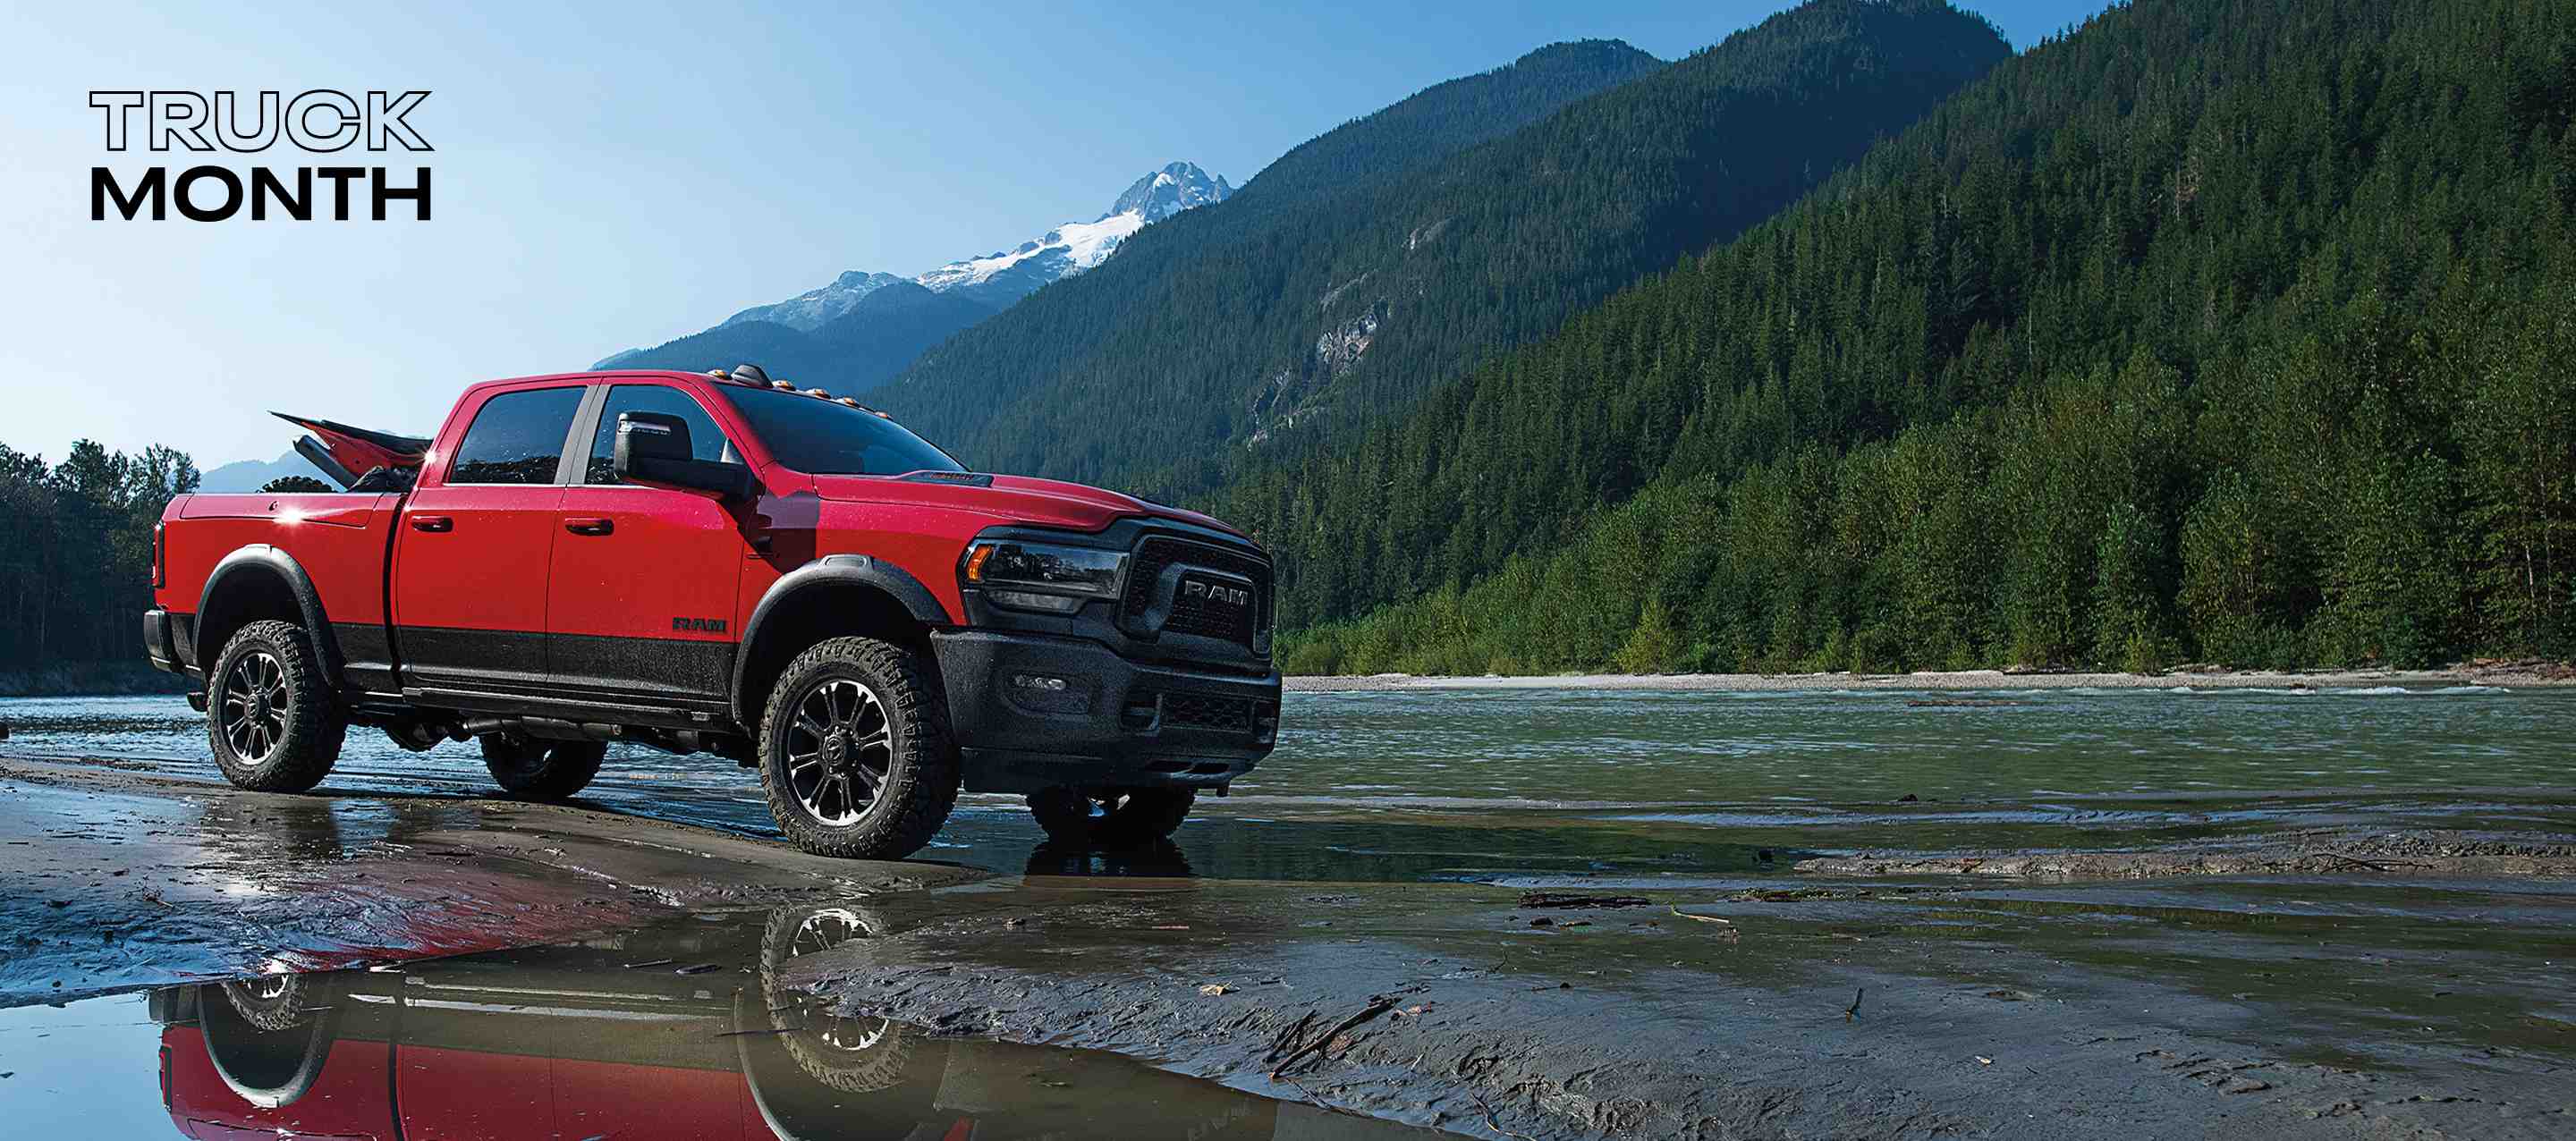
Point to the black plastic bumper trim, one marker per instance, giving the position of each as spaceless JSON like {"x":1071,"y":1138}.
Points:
{"x":1020,"y":737}
{"x":158,"y":648}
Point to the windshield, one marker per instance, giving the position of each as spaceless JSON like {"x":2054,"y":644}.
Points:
{"x":823,"y":437}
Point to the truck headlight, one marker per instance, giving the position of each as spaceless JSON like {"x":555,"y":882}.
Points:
{"x":1046,"y":577}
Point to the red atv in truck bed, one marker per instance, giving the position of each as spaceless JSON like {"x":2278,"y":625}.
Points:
{"x":721,"y":563}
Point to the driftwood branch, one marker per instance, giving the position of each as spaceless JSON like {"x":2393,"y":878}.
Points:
{"x":1376,"y":1006}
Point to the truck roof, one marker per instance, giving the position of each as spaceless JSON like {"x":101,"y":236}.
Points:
{"x":745,"y":375}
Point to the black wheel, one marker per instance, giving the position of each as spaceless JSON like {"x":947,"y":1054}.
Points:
{"x":850,"y":1053}
{"x":854,"y":752}
{"x":271,"y":1002}
{"x":1111,"y":817}
{"x":525,"y":766}
{"x":273,"y":721}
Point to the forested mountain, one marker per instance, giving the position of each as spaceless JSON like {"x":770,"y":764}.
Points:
{"x":76,"y":562}
{"x":251,"y":475}
{"x":2218,"y":329}
{"x":1325,"y":289}
{"x":1445,"y":118}
{"x":875,"y":336}
{"x":815,"y":308}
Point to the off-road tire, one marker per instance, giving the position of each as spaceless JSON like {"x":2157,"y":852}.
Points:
{"x":1111,"y":818}
{"x":920,"y":784}
{"x":806,"y":1024}
{"x":541,"y":770}
{"x":272,"y":1002}
{"x":314,"y":724}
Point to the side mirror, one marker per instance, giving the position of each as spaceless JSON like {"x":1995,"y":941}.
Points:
{"x":653,"y":448}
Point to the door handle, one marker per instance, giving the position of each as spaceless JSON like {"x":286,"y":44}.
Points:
{"x":589,"y":525}
{"x":432,"y":523}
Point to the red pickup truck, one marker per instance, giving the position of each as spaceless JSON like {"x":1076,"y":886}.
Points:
{"x":722,"y":563}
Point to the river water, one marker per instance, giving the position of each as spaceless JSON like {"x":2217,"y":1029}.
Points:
{"x":680,"y":1030}
{"x":1540,"y":786}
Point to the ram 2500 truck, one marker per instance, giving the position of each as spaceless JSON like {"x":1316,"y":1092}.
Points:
{"x":722,"y":563}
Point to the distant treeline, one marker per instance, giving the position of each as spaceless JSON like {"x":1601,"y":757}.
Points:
{"x":2216,"y":330}
{"x":76,"y":564}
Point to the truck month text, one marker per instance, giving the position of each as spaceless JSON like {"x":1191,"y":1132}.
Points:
{"x":321,"y":121}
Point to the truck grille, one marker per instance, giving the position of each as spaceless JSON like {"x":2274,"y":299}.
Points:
{"x":1242,"y":625}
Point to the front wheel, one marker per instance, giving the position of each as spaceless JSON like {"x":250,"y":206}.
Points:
{"x":1111,"y":818}
{"x":854,"y":754}
{"x":850,"y":1053}
{"x":270,"y":715}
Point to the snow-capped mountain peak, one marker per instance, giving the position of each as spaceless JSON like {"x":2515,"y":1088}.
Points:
{"x":992,"y":281}
{"x":1005,"y":276}
{"x":1169,"y":191}
{"x":811,"y":309}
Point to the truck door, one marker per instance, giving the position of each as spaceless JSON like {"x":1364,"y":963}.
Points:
{"x":641,"y":594}
{"x":470,"y":556}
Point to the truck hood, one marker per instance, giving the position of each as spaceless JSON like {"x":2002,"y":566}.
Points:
{"x":1013,"y":498}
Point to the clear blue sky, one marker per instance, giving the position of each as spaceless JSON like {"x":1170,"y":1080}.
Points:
{"x":611,"y":176}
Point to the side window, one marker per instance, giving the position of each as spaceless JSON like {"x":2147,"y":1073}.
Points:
{"x":706,"y":441}
{"x":517,"y":437}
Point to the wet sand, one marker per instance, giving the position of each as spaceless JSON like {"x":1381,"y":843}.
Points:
{"x":2289,"y":994}
{"x":1887,"y":1013}
{"x":112,"y":879}
{"x":2501,"y":675}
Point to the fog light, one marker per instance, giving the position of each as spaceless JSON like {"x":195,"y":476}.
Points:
{"x":1031,"y":600}
{"x":1047,"y":693}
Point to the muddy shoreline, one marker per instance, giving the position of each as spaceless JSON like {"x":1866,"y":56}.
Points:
{"x":111,"y":879}
{"x":1803,"y":1015}
{"x":2506,"y":675}
{"x":2353,"y":981}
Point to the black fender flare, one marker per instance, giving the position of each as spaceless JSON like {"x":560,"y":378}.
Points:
{"x":217,"y":1031}
{"x":239,"y":567}
{"x":831,"y":571}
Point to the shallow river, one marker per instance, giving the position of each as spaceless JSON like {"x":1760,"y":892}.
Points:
{"x":1538,"y":786}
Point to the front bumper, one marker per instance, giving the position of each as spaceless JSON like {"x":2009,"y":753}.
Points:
{"x":1032,"y":711}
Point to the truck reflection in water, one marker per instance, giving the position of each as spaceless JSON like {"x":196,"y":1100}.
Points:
{"x":673,"y":1032}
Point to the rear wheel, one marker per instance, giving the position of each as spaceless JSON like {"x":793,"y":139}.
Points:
{"x":1111,"y":817}
{"x":546,"y":770}
{"x":854,"y":753}
{"x":273,"y":721}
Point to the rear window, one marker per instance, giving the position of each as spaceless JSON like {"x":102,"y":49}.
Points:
{"x":821,"y":437}
{"x":517,"y":437}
